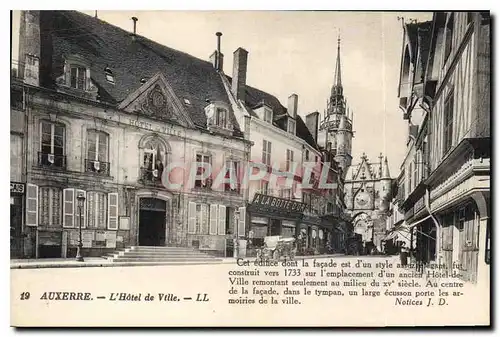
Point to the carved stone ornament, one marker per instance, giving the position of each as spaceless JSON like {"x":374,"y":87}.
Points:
{"x":157,"y":104}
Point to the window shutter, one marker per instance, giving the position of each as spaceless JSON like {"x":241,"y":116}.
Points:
{"x":213,"y":220}
{"x":192,"y":218}
{"x":112,"y":210}
{"x":68,"y":207}
{"x":241,"y":222}
{"x":84,"y":209}
{"x":31,"y":205}
{"x":222,"y":220}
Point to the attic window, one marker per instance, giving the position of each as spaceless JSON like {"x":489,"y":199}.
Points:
{"x":143,"y":80}
{"x":109,"y":75}
{"x":268,"y":115}
{"x":78,"y":77}
{"x":186,"y":101}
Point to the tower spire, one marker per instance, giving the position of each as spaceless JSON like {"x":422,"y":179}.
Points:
{"x":338,"y":74}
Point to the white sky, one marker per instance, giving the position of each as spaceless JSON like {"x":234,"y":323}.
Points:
{"x":294,"y":52}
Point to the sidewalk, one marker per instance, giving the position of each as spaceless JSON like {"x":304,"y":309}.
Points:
{"x":101,"y":262}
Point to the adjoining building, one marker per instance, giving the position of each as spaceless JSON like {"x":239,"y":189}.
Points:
{"x":445,"y":93}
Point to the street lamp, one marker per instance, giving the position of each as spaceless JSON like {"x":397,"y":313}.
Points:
{"x":81,"y":201}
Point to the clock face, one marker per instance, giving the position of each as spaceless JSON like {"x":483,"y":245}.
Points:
{"x":362,"y":199}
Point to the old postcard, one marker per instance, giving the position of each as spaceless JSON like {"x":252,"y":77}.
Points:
{"x":250,"y":168}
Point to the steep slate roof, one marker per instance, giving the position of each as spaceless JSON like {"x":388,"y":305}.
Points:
{"x":255,"y":98}
{"x":104,"y":45}
{"x":130,"y":60}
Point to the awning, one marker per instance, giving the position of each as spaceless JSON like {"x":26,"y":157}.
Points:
{"x":413,"y":224}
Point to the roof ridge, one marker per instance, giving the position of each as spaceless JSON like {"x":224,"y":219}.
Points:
{"x":141,"y":37}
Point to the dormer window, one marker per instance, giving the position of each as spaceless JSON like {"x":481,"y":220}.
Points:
{"x":78,"y":77}
{"x":221,"y":117}
{"x":109,"y":75}
{"x":268,"y":115}
{"x":291,"y":126}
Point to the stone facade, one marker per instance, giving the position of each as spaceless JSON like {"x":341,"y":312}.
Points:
{"x":368,"y":190}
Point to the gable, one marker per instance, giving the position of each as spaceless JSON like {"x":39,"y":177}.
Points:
{"x":364,"y":171}
{"x":156,"y":99}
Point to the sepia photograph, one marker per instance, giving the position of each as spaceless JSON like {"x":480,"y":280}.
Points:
{"x":250,"y":168}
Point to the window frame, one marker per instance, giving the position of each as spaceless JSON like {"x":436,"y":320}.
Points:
{"x":203,"y":182}
{"x":266,"y":152}
{"x":98,"y":134}
{"x":52,"y":136}
{"x":223,"y":121}
{"x":51,"y":211}
{"x":448,"y":118}
{"x":268,"y":115}
{"x":448,"y":39}
{"x":95,"y":208}
{"x":77,"y":67}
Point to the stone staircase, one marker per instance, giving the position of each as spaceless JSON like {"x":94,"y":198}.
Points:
{"x":162,"y":255}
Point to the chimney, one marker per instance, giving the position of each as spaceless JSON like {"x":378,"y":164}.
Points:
{"x":135,"y":24}
{"x":238,"y":85}
{"x":312,"y":121}
{"x":29,"y":47}
{"x":217,"y":58}
{"x":292,"y":105}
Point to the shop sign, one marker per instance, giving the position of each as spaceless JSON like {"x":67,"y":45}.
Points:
{"x":456,"y":192}
{"x":17,"y":188}
{"x":280,"y":204}
{"x":418,"y":205}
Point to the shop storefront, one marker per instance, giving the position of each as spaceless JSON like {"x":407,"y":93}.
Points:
{"x":271,"y":216}
{"x":17,"y":192}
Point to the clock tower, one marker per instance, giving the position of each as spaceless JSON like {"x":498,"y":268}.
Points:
{"x":367,"y":189}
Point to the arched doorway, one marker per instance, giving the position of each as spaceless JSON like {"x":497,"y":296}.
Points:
{"x":152,"y":221}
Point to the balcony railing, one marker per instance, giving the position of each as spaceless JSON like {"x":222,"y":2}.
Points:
{"x":236,"y":188}
{"x":96,"y":166}
{"x":150,"y":177}
{"x":51,"y":160}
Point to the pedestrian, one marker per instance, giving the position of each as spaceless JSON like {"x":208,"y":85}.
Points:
{"x":404,"y":254}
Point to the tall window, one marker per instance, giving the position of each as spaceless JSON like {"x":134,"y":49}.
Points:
{"x":449,"y":36}
{"x":289,"y":159}
{"x":307,"y":155}
{"x":97,"y":151}
{"x":50,"y":206}
{"x":97,"y":145}
{"x":153,"y":160}
{"x":202,"y":218}
{"x":52,"y":144}
{"x":97,"y":210}
{"x":286,"y":193}
{"x":202,"y":182}
{"x":448,"y":123}
{"x":78,"y":77}
{"x":266,"y":152}
{"x":232,"y":175}
{"x":221,"y":117}
{"x":268,"y":115}
{"x":264,"y":187}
